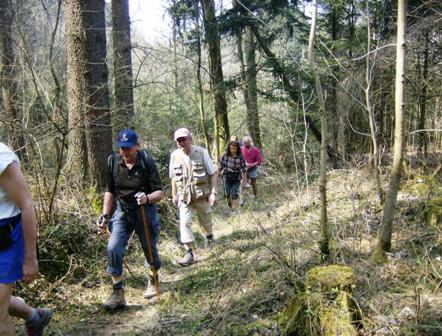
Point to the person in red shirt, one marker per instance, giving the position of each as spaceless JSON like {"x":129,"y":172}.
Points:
{"x":253,"y":159}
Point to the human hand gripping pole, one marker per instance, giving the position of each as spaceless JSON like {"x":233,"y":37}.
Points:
{"x":149,"y":246}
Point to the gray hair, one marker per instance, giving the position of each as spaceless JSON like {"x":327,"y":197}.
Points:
{"x":247,"y":139}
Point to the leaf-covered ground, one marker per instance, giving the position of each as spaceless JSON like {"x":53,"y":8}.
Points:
{"x":239,"y":286}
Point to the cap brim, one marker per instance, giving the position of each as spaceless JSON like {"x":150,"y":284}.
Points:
{"x":125,"y":144}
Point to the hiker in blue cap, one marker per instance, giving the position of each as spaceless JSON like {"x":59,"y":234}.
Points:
{"x":133,"y":183}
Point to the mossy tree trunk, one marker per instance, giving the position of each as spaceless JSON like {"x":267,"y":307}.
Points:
{"x":384,"y":243}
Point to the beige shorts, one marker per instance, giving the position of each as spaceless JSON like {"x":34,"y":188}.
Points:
{"x":204,"y":212}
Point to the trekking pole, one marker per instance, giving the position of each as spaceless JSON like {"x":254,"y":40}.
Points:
{"x":149,"y":249}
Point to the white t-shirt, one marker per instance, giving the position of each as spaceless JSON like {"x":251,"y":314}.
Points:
{"x":7,"y":207}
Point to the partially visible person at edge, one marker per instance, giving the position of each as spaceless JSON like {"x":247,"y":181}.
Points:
{"x":18,"y":253}
{"x":134,"y":183}
{"x":253,"y":159}
{"x":193,"y":180}
{"x":233,"y":168}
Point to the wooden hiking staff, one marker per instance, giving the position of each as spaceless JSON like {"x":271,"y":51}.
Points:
{"x":149,"y":249}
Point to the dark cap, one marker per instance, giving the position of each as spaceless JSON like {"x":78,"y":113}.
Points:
{"x":126,"y":138}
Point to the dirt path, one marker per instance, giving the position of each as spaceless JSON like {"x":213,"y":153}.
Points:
{"x":140,"y":317}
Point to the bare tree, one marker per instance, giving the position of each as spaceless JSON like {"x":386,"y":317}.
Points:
{"x":198,"y":78}
{"x":222,"y":132}
{"x":324,"y":243}
{"x":374,"y":160}
{"x":10,"y":120}
{"x":384,"y":243}
{"x":250,"y":76}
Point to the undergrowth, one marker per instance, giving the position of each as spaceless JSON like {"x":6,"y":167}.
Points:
{"x":256,"y":267}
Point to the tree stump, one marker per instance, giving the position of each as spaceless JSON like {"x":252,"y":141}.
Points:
{"x":325,"y":307}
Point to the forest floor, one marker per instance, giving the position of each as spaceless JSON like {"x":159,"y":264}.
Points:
{"x":239,"y":286}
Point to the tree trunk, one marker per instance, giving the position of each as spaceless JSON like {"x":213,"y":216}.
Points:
{"x":324,"y":243}
{"x":222,"y":132}
{"x":422,"y":136}
{"x":250,"y":72}
{"x":384,"y":243}
{"x":10,"y":121}
{"x":242,"y":67}
{"x":199,"y":82}
{"x":88,"y":97}
{"x":374,"y":160}
{"x":76,"y":161}
{"x":99,"y":129}
{"x":124,"y":102}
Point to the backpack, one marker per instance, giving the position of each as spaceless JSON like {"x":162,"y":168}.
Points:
{"x":116,"y":156}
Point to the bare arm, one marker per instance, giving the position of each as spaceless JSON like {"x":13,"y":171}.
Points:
{"x":13,"y":182}
{"x":213,"y":184}
{"x":174,"y":192}
{"x":155,"y":196}
{"x":108,"y":202}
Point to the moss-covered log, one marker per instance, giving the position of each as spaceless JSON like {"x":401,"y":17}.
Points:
{"x":325,"y":307}
{"x":433,"y":213}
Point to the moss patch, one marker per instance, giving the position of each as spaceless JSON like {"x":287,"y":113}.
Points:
{"x":324,"y":308}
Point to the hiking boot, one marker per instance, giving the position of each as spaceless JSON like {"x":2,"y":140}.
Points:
{"x":45,"y":315}
{"x":187,"y":260}
{"x":116,"y":299}
{"x":208,"y":242}
{"x":151,"y":290}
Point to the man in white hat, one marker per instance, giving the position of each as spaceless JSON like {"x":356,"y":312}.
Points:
{"x":193,"y":180}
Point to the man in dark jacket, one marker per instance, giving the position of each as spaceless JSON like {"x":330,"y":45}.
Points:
{"x":135,"y":185}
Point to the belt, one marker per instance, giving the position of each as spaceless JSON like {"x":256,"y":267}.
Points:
{"x":10,"y":222}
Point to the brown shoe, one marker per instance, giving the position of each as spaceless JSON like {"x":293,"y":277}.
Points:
{"x":116,"y":300}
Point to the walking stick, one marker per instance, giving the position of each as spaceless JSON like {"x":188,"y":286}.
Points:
{"x":149,"y":249}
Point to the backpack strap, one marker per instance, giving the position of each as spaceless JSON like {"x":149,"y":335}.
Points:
{"x":111,"y":163}
{"x":144,"y":156}
{"x":111,"y":167}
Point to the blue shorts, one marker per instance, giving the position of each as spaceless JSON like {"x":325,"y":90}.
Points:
{"x":11,"y":259}
{"x":252,"y":172}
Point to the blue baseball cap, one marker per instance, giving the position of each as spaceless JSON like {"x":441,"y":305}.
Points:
{"x":126,"y":138}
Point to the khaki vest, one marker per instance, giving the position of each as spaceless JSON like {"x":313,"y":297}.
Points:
{"x":190,"y":175}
